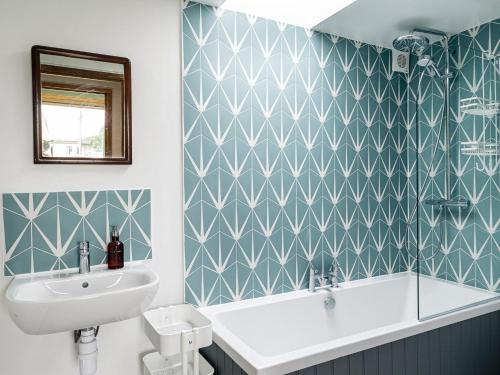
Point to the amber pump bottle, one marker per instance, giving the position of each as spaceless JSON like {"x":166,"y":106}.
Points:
{"x":115,"y":250}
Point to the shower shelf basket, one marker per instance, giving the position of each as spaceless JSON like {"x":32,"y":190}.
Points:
{"x":479,"y":106}
{"x":177,"y":332}
{"x":476,"y":148}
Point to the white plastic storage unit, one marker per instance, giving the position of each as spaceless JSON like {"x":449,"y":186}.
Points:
{"x":177,"y":332}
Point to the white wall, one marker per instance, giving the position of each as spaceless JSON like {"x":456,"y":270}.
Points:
{"x":148,"y":33}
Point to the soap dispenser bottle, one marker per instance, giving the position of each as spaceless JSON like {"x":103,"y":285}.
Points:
{"x":115,"y":250}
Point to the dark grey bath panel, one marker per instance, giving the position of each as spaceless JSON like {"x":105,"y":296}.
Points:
{"x":471,"y":347}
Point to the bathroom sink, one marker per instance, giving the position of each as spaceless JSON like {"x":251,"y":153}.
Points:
{"x":65,"y":302}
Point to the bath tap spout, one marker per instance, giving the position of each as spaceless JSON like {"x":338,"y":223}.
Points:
{"x":333,"y":273}
{"x":323,"y":282}
{"x":313,"y":276}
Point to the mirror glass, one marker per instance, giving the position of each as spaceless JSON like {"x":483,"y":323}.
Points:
{"x":81,"y":107}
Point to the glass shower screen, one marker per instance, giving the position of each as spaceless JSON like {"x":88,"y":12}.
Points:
{"x":455,"y":232}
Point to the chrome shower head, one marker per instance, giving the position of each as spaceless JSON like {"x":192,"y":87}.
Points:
{"x":427,"y":62}
{"x":411,"y":43}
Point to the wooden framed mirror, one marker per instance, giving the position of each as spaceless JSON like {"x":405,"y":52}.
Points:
{"x":81,"y":107}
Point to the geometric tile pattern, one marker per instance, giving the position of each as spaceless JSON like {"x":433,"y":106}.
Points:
{"x":470,"y":253}
{"x":42,"y":230}
{"x":293,"y":153}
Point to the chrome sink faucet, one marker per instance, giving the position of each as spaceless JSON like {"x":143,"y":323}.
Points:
{"x":84,"y":257}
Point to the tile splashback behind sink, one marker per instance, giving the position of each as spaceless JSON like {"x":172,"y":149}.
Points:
{"x":42,"y":230}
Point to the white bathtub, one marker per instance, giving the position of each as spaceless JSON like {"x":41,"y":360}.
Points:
{"x":284,"y":333}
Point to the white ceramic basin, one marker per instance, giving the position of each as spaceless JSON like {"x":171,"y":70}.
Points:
{"x":64,"y":302}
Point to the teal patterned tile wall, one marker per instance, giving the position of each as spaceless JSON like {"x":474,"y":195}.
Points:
{"x":42,"y":230}
{"x":293,"y":153}
{"x":470,"y":253}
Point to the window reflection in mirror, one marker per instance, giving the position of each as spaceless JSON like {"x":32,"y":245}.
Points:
{"x":73,"y":123}
{"x":82,"y":110}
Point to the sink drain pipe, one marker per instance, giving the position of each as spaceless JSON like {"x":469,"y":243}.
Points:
{"x":87,"y":350}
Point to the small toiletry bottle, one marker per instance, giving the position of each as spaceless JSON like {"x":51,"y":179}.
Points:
{"x":115,"y":250}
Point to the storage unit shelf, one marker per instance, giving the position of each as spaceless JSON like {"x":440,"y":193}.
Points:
{"x":177,"y":332}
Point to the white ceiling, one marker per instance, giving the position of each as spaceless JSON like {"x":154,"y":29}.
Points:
{"x":214,"y":3}
{"x":304,"y":13}
{"x":380,"y":21}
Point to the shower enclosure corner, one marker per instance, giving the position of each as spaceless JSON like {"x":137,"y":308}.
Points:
{"x":452,"y":239}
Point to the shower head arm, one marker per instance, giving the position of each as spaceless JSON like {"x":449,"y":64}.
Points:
{"x":430,"y":31}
